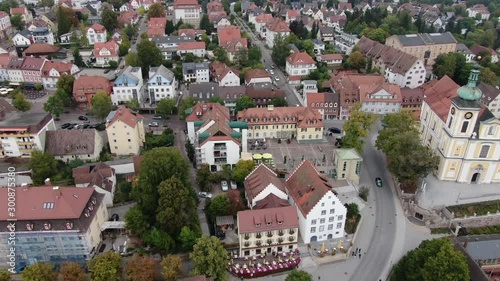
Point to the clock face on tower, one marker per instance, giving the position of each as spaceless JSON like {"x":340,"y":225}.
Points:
{"x":468,"y":115}
{"x":452,"y":111}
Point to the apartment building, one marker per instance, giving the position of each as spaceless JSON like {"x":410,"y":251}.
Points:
{"x":67,"y":145}
{"x":189,"y":11}
{"x":21,"y":133}
{"x":274,"y":28}
{"x":195,"y":48}
{"x":96,"y":34}
{"x":161,"y":84}
{"x":85,"y":87}
{"x":42,"y":35}
{"x":54,"y":224}
{"x":106,"y":52}
{"x":125,"y":130}
{"x":326,"y":103}
{"x":32,"y":70}
{"x":196,"y":72}
{"x":128,"y":86}
{"x":424,"y":46}
{"x":300,"y":123}
{"x":168,"y":45}
{"x":52,"y":71}
{"x":299,"y":64}
{"x":461,"y":131}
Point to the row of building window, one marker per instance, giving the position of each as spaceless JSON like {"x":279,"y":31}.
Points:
{"x":326,"y":104}
{"x":322,"y":227}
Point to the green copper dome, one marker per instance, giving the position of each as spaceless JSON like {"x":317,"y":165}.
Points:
{"x":470,"y":91}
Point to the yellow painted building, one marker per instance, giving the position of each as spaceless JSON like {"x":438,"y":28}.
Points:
{"x":348,"y":164}
{"x":301,"y":123}
{"x":462,"y":132}
{"x":125,"y":132}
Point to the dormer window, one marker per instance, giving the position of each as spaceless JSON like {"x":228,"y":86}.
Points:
{"x":269,"y":223}
{"x":280,"y":222}
{"x":257,"y":225}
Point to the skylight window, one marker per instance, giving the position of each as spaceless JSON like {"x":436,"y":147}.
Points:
{"x":48,"y":205}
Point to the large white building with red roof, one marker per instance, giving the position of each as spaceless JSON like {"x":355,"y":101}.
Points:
{"x":53,"y":70}
{"x":58,"y":223}
{"x":217,"y":140}
{"x":224,"y":75}
{"x":106,"y":52}
{"x":125,"y":130}
{"x":461,"y":131}
{"x":189,"y":11}
{"x":321,"y":213}
{"x":299,"y":64}
{"x":32,"y":70}
{"x":275,"y":28}
{"x":96,"y":34}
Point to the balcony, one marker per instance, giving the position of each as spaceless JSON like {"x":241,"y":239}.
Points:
{"x":218,"y":154}
{"x":220,"y":147}
{"x":220,"y":161}
{"x":25,"y":142}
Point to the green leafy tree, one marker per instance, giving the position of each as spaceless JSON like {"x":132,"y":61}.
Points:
{"x":165,"y":107}
{"x":279,"y":102}
{"x":38,"y":87}
{"x":132,"y":59}
{"x":43,"y":166}
{"x":433,"y":260}
{"x":40,"y":271}
{"x":244,"y":103}
{"x":454,"y":65}
{"x":356,"y":60}
{"x":237,"y":7}
{"x":226,"y":5}
{"x":176,"y":206}
{"x":54,"y":105}
{"x":17,"y":22}
{"x":205,"y":23}
{"x":140,"y":268}
{"x":164,"y":140}
{"x":209,"y":258}
{"x":376,"y":34}
{"x":242,"y":170}
{"x":5,"y":275}
{"x":149,"y":54}
{"x":158,"y":165}
{"x":254,"y":55}
{"x":20,"y":102}
{"x":112,"y":64}
{"x":190,"y":152}
{"x":169,"y":28}
{"x":393,"y":125}
{"x":77,"y":58}
{"x":141,"y":11}
{"x":156,"y":11}
{"x":241,"y":58}
{"x":220,"y":206}
{"x":298,"y":275}
{"x":71,"y":271}
{"x":487,"y":76}
{"x":329,"y":4}
{"x":352,"y":210}
{"x":203,"y":177}
{"x":133,"y":104}
{"x":101,"y":104}
{"x":109,"y":19}
{"x":106,"y":267}
{"x":281,"y":50}
{"x":171,"y":268}
{"x":65,"y":83}
{"x":186,"y":103}
{"x":160,"y":240}
{"x":188,"y":238}
{"x":356,"y":128}
{"x":216,"y":99}
{"x":221,"y":54}
{"x":136,"y":222}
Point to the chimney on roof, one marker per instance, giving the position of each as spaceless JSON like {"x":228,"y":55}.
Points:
{"x":48,"y":182}
{"x":270,"y":107}
{"x":57,"y":191}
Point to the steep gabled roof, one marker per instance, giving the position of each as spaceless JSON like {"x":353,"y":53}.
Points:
{"x":439,"y":94}
{"x":259,"y":179}
{"x":124,"y":115}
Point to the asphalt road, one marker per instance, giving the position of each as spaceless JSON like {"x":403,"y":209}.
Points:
{"x":268,"y":62}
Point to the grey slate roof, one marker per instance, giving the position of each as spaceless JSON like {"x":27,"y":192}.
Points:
{"x":192,"y":66}
{"x":206,"y":89}
{"x":461,"y":48}
{"x":163,"y":71}
{"x":318,"y":42}
{"x":172,"y":39}
{"x":484,"y":250}
{"x":426,"y":39}
{"x":490,"y":93}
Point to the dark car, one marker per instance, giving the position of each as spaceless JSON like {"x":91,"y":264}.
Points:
{"x":65,"y":125}
{"x":157,"y":117}
{"x":107,"y":70}
{"x":114,"y":217}
{"x":334,"y":130}
{"x":378,"y":182}
{"x":86,"y":126}
{"x":83,"y":118}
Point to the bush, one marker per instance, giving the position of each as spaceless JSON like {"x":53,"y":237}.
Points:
{"x":363,"y":193}
{"x":113,"y":64}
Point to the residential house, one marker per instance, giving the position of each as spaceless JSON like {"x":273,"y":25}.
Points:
{"x":53,"y":70}
{"x":204,"y":91}
{"x":195,"y":33}
{"x":461,"y":48}
{"x":96,"y":34}
{"x":231,"y":40}
{"x":397,"y":66}
{"x":264,"y":190}
{"x":264,"y":97}
{"x":124,"y":124}
{"x":292,"y":15}
{"x":230,"y":95}
{"x":25,"y":14}
{"x":326,"y":103}
{"x":300,"y":123}
{"x":345,"y":7}
{"x":223,"y":21}
{"x":479,"y":52}
{"x":5,"y":25}
{"x":216,"y":12}
{"x":156,"y":27}
{"x":218,"y":141}
{"x":424,"y":46}
{"x":101,"y":177}
{"x":67,"y":220}
{"x":161,"y":84}
{"x":168,"y":45}
{"x":348,"y":164}
{"x":321,"y":213}
{"x":309,"y":86}
{"x":478,"y":9}
{"x":7,"y":47}
{"x":256,"y":76}
{"x":490,"y":98}
{"x":126,"y":7}
{"x":272,"y":230}
{"x":38,"y":23}
{"x":412,"y":100}
{"x":319,"y":46}
{"x":299,"y":64}
{"x":196,"y":72}
{"x":330,"y":59}
{"x":224,"y":75}
{"x":67,"y":145}
{"x":337,"y":22}
{"x":51,"y":23}
{"x":260,"y":22}
{"x":275,"y":27}
{"x":344,"y":42}
{"x":234,"y":46}
{"x":85,"y":87}
{"x":22,"y":39}
{"x":15,"y":72}
{"x":195,"y":48}
{"x":32,"y":70}
{"x":128,"y":18}
{"x":128,"y":86}
{"x":106,"y":52}
{"x":5,"y":60}
{"x":21,"y":133}
{"x":189,"y":11}
{"x":462,"y":132}
{"x":383,"y":98}
{"x":42,"y":50}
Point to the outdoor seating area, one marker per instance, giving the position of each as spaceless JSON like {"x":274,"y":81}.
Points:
{"x":33,"y":94}
{"x":257,"y":145}
{"x":262,"y":265}
{"x":265,"y":158}
{"x":4,"y":91}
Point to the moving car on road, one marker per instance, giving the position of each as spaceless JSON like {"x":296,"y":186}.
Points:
{"x":378,"y":182}
{"x":276,"y":78}
{"x":154,"y":124}
{"x":224,"y":186}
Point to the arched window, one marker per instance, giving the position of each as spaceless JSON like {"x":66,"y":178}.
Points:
{"x":484,"y":151}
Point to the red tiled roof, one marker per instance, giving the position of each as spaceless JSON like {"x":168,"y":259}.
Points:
{"x":186,"y":46}
{"x":185,"y":3}
{"x":264,"y":18}
{"x":157,"y":22}
{"x":41,"y":48}
{"x":91,"y":84}
{"x":271,"y":201}
{"x":189,"y":32}
{"x":366,"y":90}
{"x":111,"y":46}
{"x":98,"y":28}
{"x":293,"y":13}
{"x":267,"y":219}
{"x":237,"y":44}
{"x":220,"y":70}
{"x":303,"y":117}
{"x":307,"y":187}
{"x":61,"y":67}
{"x":31,"y":63}
{"x":3,"y":14}
{"x":439,"y":94}
{"x":209,"y":111}
{"x":31,"y":202}
{"x":315,"y":98}
{"x":277,"y":25}
{"x":18,"y":11}
{"x":227,"y":34}
{"x":477,"y":49}
{"x":327,"y":57}
{"x":300,"y":58}
{"x":259,"y":179}
{"x":347,"y":85}
{"x":256,"y":73}
{"x":412,"y":97}
{"x":126,"y":18}
{"x":126,"y":116}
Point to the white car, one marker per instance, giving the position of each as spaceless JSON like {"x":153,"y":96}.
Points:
{"x":205,"y":194}
{"x":277,"y":78}
{"x":233,"y":185}
{"x":154,"y":124}
{"x":224,"y":186}
{"x":271,"y":71}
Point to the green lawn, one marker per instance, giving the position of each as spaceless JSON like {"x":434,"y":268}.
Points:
{"x":480,"y":209}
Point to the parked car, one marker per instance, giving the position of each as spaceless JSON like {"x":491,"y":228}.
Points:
{"x":83,"y":118}
{"x":233,"y":185}
{"x":154,"y":124}
{"x":65,"y":125}
{"x":334,"y":130}
{"x":157,"y":117}
{"x":85,"y":126}
{"x":122,"y":67}
{"x":224,"y":186}
{"x":378,"y":182}
{"x":205,"y":194}
{"x":271,"y":71}
{"x":106,"y":71}
{"x":276,"y":78}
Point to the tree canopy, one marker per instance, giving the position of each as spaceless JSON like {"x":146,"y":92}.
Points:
{"x":5,"y":275}
{"x":156,"y":11}
{"x":101,"y":104}
{"x":209,"y":258}
{"x":433,"y":260}
{"x":149,"y":55}
{"x":203,"y":177}
{"x":280,"y":51}
{"x":298,"y":275}
{"x":71,"y":271}
{"x":165,"y":107}
{"x":135,"y":222}
{"x":109,"y":19}
{"x":43,"y":166}
{"x":171,"y":267}
{"x":357,"y":128}
{"x":454,"y":65}
{"x":40,"y":271}
{"x":140,"y":268}
{"x":20,"y":102}
{"x":106,"y":267}
{"x":55,"y":103}
{"x":243,"y":103}
{"x":242,"y":169}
